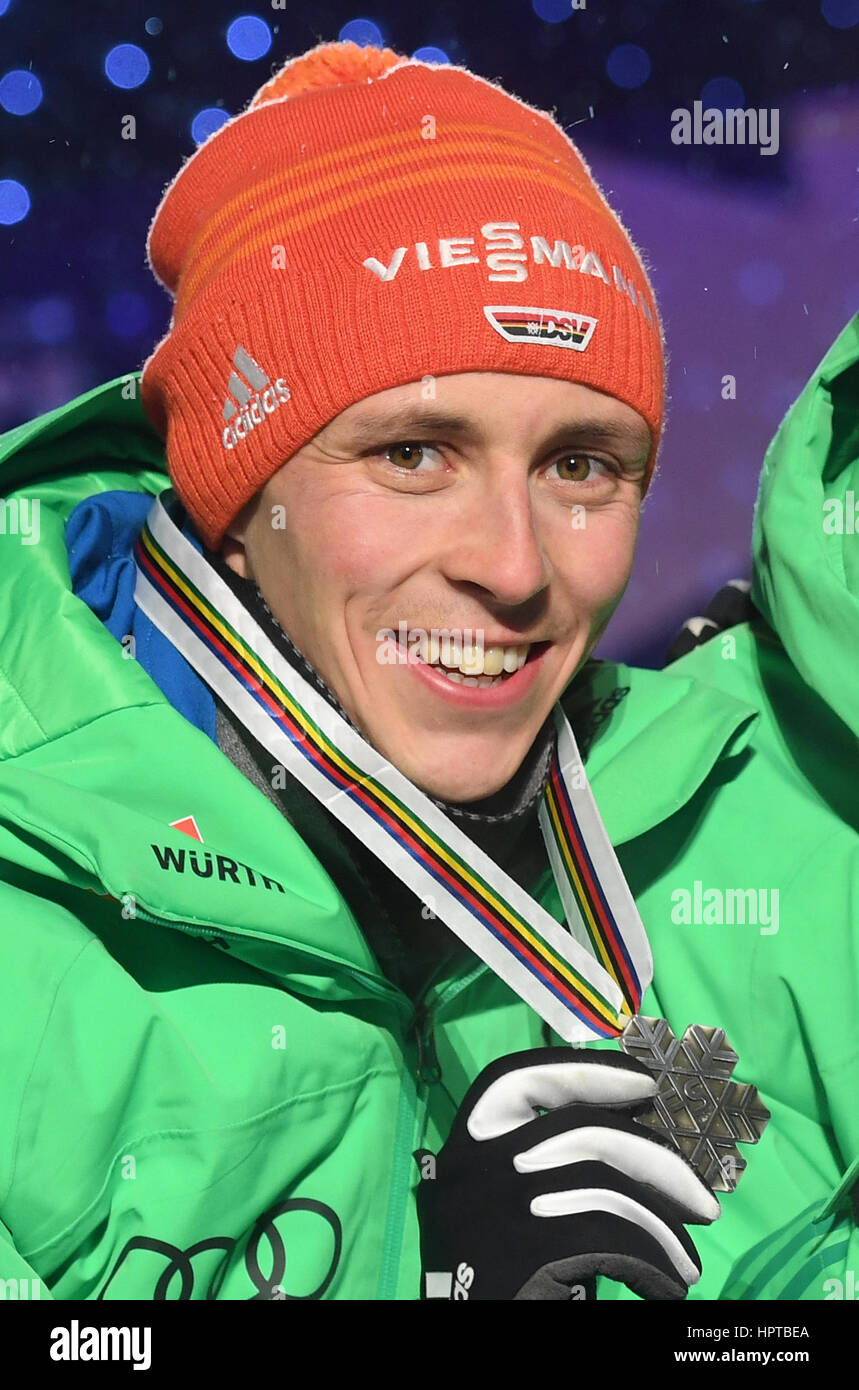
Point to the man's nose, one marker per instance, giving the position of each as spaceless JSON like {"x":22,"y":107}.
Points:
{"x":498,"y":544}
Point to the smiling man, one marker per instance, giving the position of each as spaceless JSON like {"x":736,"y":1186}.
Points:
{"x":411,"y":390}
{"x":430,"y":462}
{"x":511,"y":505}
{"x":303,"y":905}
{"x":467,"y":525}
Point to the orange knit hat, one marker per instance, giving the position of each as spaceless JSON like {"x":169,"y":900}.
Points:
{"x":367,"y":221}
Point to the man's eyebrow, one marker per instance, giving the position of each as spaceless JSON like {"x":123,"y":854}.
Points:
{"x":410,"y":422}
{"x":407,"y":421}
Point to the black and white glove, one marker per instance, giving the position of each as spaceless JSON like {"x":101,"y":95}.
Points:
{"x":546,"y":1181}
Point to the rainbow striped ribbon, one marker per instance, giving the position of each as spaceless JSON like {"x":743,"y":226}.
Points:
{"x":586,"y":982}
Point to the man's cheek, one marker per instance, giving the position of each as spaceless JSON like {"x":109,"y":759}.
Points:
{"x":596,"y":575}
{"x":368,"y":562}
{"x":602,"y":554}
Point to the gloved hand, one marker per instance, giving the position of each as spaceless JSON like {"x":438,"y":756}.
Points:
{"x":546,"y":1181}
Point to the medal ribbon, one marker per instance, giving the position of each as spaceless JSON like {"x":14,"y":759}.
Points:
{"x":585,"y":982}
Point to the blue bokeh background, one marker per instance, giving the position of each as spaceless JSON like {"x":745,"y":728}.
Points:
{"x":752,"y":256}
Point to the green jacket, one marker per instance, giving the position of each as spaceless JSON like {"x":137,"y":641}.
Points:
{"x":210,"y":1090}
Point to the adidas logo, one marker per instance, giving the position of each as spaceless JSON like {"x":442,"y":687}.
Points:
{"x":255,"y":401}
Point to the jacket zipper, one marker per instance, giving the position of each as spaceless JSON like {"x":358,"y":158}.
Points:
{"x":429,"y":1071}
{"x":213,"y":933}
{"x":414,"y":1091}
{"x":411,"y":1124}
{"x":219,"y":935}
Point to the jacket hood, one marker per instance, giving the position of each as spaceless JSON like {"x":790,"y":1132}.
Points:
{"x":805,"y":538}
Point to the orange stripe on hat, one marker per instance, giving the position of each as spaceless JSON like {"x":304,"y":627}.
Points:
{"x":356,"y":228}
{"x":253,"y":207}
{"x":241,"y":242}
{"x":389,"y":143}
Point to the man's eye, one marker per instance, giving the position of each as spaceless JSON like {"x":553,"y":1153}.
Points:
{"x":575,"y":468}
{"x":409,"y":455}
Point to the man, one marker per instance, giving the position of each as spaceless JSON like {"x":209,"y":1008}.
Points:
{"x":302,"y":810}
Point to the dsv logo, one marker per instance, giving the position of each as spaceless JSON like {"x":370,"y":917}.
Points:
{"x":180,"y":1263}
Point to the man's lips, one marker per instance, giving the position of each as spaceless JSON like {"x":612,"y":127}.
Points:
{"x":451,"y":649}
{"x":504,"y":691}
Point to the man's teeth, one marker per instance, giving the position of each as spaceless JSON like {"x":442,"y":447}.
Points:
{"x":460,"y":679}
{"x":475,"y":661}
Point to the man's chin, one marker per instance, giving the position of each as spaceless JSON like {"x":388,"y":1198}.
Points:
{"x":459,"y":780}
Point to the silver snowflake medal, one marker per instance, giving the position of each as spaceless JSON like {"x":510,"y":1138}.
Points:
{"x":697,"y":1107}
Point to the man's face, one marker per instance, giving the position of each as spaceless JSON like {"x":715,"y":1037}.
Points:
{"x":504,"y":510}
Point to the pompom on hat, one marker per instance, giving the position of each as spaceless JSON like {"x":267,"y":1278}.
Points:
{"x":367,"y":221}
